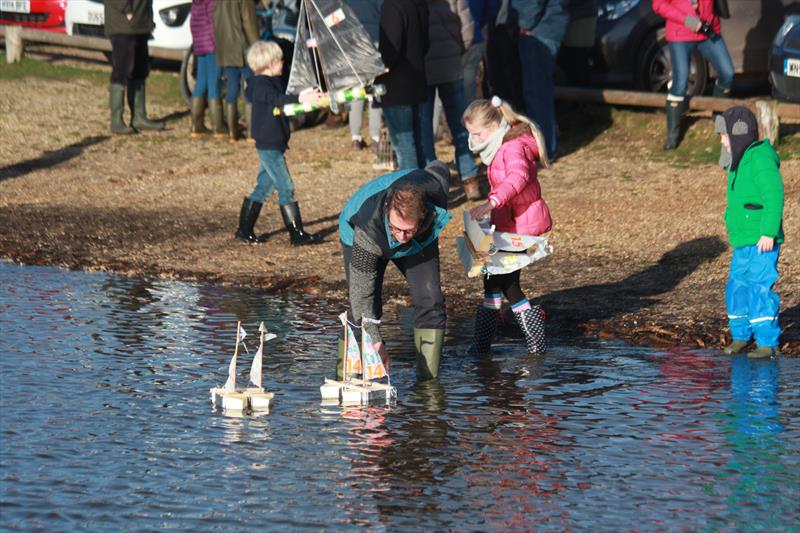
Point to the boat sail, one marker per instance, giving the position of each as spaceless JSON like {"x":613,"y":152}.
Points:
{"x":334,"y":52}
{"x":255,"y":398}
{"x":366,"y":363}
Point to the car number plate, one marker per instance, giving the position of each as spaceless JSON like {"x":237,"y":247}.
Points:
{"x":96,"y":17}
{"x":16,"y":6}
{"x":791,"y":67}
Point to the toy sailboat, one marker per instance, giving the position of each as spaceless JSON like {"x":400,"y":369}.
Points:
{"x":333,"y":52}
{"x":483,"y":250}
{"x":253,"y":398}
{"x":368,"y":364}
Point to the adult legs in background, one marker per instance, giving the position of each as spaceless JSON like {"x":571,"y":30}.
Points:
{"x":404,"y":124}
{"x":538,"y":66}
{"x":472,"y":62}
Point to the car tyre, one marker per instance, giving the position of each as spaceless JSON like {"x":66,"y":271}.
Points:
{"x":188,"y":74}
{"x":653,"y":69}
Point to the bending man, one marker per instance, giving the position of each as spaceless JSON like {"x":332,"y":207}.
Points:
{"x":397,"y":217}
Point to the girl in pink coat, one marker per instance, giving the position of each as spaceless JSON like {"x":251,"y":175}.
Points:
{"x":511,"y":147}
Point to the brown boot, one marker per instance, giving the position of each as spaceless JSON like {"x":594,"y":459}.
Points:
{"x":472,"y":188}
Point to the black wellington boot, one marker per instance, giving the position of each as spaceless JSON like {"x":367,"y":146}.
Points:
{"x":247,"y":221}
{"x":293,"y":222}
{"x":136,"y":101}
{"x":232,"y":117}
{"x":531,"y":322}
{"x":674,"y":110}
{"x":485,"y":328}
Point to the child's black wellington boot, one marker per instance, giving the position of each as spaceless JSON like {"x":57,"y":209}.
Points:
{"x":531,"y":322}
{"x":294,"y":223}
{"x":485,"y":328}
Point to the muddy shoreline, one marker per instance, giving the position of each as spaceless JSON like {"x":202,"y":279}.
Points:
{"x":640,"y":247}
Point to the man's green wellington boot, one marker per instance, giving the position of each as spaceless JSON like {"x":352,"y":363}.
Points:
{"x":735,"y":347}
{"x":762,"y":351}
{"x":116,"y":102}
{"x":136,"y":101}
{"x":428,"y":346}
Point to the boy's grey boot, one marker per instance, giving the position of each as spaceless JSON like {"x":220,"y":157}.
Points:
{"x":116,"y":102}
{"x":198,"y":116}
{"x":294,"y":223}
{"x":217,"y":120}
{"x":762,"y":351}
{"x":674,"y":110}
{"x":136,"y":101}
{"x":485,"y":328}
{"x":735,"y":347}
{"x":531,"y":323}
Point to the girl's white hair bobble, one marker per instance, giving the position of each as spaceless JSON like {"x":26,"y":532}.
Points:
{"x":496,"y":101}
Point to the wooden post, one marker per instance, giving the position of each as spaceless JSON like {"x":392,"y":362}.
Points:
{"x":767,"y":114}
{"x":13,"y":44}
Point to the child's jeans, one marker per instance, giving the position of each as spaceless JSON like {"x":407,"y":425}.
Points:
{"x":752,"y":305}
{"x":273,"y":174}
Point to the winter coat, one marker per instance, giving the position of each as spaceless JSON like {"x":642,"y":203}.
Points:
{"x":675,"y":13}
{"x":235,"y":29}
{"x":270,"y":126}
{"x":368,"y":13}
{"x":515,"y":187}
{"x":403,"y":43}
{"x":450,"y":33}
{"x":116,"y":20}
{"x":755,"y":197}
{"x":547,"y":20}
{"x":202,"y":25}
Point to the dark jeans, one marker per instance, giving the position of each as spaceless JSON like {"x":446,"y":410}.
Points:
{"x":130,"y":59}
{"x":454,"y":104}
{"x":538,"y":89}
{"x":234,"y":77}
{"x":404,"y":125}
{"x":502,"y":65}
{"x":422,"y":274}
{"x":508,"y":284}
{"x":713,"y":49}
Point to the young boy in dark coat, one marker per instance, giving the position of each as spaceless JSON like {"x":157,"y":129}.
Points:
{"x":271,"y":133}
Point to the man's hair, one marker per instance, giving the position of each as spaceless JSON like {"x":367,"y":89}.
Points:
{"x":408,"y":202}
{"x":263,"y":54}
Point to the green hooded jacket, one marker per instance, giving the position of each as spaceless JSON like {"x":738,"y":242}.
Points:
{"x":755,"y":197}
{"x":116,"y":17}
{"x":235,"y":29}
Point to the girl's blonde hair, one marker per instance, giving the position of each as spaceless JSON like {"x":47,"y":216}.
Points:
{"x":484,"y":112}
{"x":262,"y":55}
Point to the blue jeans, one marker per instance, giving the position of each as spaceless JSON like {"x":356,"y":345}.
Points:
{"x":403,"y":122}
{"x":209,"y":76}
{"x":234,"y":77}
{"x":752,"y":305}
{"x":713,"y":49}
{"x":273,"y":174}
{"x":471,"y":60}
{"x":538,"y":63}
{"x":452,"y":96}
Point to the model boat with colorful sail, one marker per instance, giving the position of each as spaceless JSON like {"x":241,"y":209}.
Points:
{"x":334,"y":52}
{"x":483,"y":250}
{"x":255,"y":398}
{"x":365,"y":362}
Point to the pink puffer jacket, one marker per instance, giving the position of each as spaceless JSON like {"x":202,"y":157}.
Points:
{"x":515,"y":187}
{"x":675,"y":13}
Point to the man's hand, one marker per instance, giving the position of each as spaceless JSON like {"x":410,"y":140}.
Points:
{"x":765,"y":244}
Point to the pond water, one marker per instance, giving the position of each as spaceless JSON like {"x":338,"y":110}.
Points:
{"x":106,"y":424}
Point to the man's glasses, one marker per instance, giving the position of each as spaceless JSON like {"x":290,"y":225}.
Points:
{"x":404,"y":232}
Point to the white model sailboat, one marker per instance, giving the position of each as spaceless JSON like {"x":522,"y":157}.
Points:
{"x":253,"y":398}
{"x":366,"y":362}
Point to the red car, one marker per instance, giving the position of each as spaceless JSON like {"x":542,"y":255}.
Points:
{"x":38,"y":14}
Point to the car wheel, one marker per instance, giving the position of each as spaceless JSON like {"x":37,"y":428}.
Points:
{"x":653,"y":70}
{"x":188,"y":74}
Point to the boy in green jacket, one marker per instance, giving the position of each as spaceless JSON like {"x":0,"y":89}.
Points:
{"x":754,"y":220}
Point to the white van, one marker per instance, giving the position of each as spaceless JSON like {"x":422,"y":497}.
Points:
{"x":171,"y":17}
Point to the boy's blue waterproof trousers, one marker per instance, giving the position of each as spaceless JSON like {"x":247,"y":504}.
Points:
{"x":752,"y":305}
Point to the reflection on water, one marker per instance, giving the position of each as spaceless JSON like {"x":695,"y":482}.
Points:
{"x":106,"y":424}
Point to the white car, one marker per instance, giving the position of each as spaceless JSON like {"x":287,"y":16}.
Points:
{"x":171,"y":17}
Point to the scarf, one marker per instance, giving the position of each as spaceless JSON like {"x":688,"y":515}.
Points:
{"x":489,"y":148}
